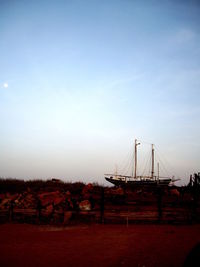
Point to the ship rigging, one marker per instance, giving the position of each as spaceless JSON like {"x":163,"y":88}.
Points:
{"x":140,"y":180}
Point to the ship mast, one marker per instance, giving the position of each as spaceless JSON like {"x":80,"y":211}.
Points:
{"x":158,"y":170}
{"x":152,"y":167}
{"x":135,"y":169}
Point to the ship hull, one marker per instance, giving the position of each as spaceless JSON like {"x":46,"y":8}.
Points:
{"x":137,"y":183}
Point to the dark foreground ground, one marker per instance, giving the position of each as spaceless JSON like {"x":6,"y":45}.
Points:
{"x":96,"y":245}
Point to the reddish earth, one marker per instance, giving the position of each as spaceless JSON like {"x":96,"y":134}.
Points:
{"x":96,"y":245}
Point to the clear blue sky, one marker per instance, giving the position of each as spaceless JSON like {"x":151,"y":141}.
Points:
{"x":80,"y":80}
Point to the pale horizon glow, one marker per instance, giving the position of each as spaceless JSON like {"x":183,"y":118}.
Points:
{"x":84,"y":79}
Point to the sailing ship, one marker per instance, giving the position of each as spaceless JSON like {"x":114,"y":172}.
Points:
{"x":136,"y":180}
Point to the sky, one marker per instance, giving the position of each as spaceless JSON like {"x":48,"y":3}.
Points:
{"x":81,"y":80}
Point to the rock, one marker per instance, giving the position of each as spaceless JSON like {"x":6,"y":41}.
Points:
{"x":175,"y":192}
{"x":5,"y":203}
{"x":67,"y":216}
{"x":58,"y":210}
{"x":58,"y":200}
{"x":11,"y":197}
{"x":131,"y":195}
{"x":117,"y":191}
{"x":85,"y":205}
{"x":49,"y":209}
{"x":45,"y":202}
{"x":2,"y":196}
{"x":48,"y":198}
{"x":55,"y":180}
{"x":68,"y":200}
{"x":17,"y":202}
{"x":87,"y":191}
{"x":29,"y":201}
{"x":68,"y":194}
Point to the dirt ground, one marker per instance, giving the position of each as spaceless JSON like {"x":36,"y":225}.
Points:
{"x":96,"y":245}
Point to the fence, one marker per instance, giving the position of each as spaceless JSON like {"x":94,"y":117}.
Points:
{"x":117,"y":206}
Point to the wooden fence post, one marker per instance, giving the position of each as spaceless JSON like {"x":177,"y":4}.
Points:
{"x":11,"y":211}
{"x":159,"y":202}
{"x":102,"y":206}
